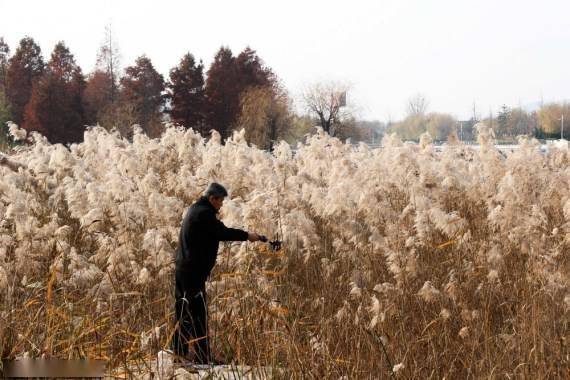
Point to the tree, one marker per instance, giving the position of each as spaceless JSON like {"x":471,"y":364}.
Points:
{"x":108,"y":61}
{"x":228,"y":77}
{"x":520,"y":122}
{"x":301,"y":125}
{"x":252,"y":72}
{"x":503,"y":121}
{"x":440,"y":125}
{"x":5,"y":116}
{"x":4,"y":56}
{"x":97,"y":99}
{"x":222,"y":92}
{"x":25,"y":68}
{"x":417,"y":105}
{"x":324,"y":100}
{"x":102,"y":89}
{"x":549,"y":117}
{"x":120,"y":116}
{"x":411,"y":127}
{"x":265,"y":115}
{"x":55,"y":108}
{"x":142,"y":88}
{"x":187,"y":95}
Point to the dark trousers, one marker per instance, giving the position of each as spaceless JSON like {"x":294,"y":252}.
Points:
{"x":191,"y":319}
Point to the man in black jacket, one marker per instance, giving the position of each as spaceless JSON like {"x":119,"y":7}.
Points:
{"x":196,"y":254}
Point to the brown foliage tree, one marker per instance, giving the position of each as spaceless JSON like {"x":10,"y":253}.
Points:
{"x":55,"y":108}
{"x":222,"y":92}
{"x":142,"y":88}
{"x":24,"y":69}
{"x":97,"y":98}
{"x":228,"y":76}
{"x":186,"y":94}
{"x":252,"y":71}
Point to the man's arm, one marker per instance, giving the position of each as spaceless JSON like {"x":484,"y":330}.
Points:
{"x":216,"y":228}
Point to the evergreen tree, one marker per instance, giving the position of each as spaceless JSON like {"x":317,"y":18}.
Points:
{"x":252,"y":72}
{"x":186,"y":94}
{"x":25,"y":68}
{"x":55,"y":108}
{"x":142,"y":88}
{"x":503,"y":121}
{"x":222,"y":92}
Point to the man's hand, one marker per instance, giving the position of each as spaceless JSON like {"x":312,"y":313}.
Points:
{"x":252,"y":236}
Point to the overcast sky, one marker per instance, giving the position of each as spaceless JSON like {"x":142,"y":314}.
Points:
{"x":456,"y":52}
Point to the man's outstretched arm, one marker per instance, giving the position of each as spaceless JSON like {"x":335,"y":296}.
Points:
{"x":222,"y":233}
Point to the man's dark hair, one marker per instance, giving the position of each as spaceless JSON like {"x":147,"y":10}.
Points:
{"x":216,"y":190}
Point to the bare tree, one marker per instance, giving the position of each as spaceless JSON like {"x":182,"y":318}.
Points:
{"x":108,"y":61}
{"x":327,"y":100}
{"x":417,"y":105}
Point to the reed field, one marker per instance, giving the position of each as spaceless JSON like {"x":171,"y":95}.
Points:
{"x":399,"y":262}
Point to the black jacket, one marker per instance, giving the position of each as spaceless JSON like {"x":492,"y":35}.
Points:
{"x":200,"y":235}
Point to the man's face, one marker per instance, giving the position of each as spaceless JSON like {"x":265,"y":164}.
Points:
{"x":217,"y":202}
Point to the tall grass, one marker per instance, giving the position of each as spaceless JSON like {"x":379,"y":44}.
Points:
{"x":399,"y":262}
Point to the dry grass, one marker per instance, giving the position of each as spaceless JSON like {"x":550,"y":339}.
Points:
{"x":351,"y":304}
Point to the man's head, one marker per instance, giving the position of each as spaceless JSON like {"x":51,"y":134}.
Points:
{"x":215,"y":194}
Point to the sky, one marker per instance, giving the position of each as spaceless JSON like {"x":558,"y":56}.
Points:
{"x":457,"y":53}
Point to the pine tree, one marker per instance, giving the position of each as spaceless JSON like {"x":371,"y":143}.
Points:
{"x":222,"y":92}
{"x":252,"y":71}
{"x":25,"y":68}
{"x":186,"y":94}
{"x":55,"y":108}
{"x":503,"y":121}
{"x":142,"y":88}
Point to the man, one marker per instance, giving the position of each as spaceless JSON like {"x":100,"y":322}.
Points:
{"x":200,"y":235}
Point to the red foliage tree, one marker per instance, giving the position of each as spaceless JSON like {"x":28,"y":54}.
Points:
{"x":98,"y":96}
{"x":25,"y":68}
{"x":251,"y":70}
{"x":222,"y":92}
{"x":55,"y":108}
{"x":186,"y":94}
{"x":142,"y":87}
{"x":228,"y":78}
